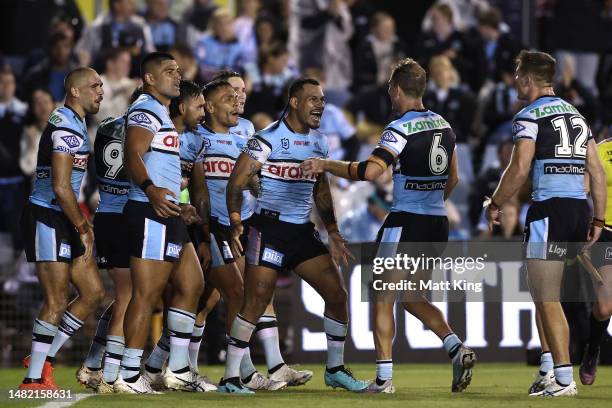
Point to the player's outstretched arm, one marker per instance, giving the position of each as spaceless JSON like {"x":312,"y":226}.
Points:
{"x":137,"y":143}
{"x":597,"y":178}
{"x":369,"y":169}
{"x":512,"y":179}
{"x":453,"y":176}
{"x":246,"y":167}
{"x":325,"y":206}
{"x":61,"y":163}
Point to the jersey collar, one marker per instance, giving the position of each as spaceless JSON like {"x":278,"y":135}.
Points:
{"x":74,"y":112}
{"x":293,"y":131}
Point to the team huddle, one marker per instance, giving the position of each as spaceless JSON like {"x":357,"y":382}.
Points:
{"x":248,"y":217}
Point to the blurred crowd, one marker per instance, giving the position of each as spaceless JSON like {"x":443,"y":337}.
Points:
{"x":467,"y":47}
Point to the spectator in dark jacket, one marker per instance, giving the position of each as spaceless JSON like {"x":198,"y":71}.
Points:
{"x":445,"y":39}
{"x":13,"y":184}
{"x":51,"y":71}
{"x":376,"y":53}
{"x":575,"y":92}
{"x":500,"y":49}
{"x":445,"y":97}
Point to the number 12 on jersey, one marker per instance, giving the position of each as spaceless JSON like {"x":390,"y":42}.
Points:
{"x":565,"y":148}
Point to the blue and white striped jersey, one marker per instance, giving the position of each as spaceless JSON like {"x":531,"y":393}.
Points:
{"x":66,"y":133}
{"x":286,"y":192}
{"x":424,"y":144}
{"x":162,"y":160}
{"x":561,"y":134}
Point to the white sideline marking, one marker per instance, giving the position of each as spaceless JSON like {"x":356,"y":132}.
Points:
{"x":64,"y":404}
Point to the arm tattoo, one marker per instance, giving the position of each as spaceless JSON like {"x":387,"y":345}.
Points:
{"x":253,"y":186}
{"x":203,"y":208}
{"x":323,"y":200}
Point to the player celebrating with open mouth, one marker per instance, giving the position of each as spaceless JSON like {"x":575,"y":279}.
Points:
{"x":281,"y":234}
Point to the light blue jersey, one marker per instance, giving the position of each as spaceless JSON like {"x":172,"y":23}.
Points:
{"x":423,"y":143}
{"x":113,"y":184}
{"x":220,"y":154}
{"x":560,"y":134}
{"x":242,"y":132}
{"x":286,"y":192}
{"x":66,"y":133}
{"x":191,"y":150}
{"x":162,"y":160}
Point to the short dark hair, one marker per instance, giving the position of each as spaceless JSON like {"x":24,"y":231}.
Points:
{"x":136,"y":94}
{"x":540,"y":65}
{"x":213,"y":86}
{"x":298,"y":84}
{"x":410,"y":77}
{"x":151,"y":59}
{"x":189,"y":89}
{"x":295,"y":87}
{"x":225,"y":75}
{"x":490,"y":18}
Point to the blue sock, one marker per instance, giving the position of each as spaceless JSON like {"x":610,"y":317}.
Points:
{"x":42,"y":337}
{"x":564,"y":374}
{"x":451,"y":344}
{"x":115,"y":346}
{"x":96,"y":350}
{"x":546,"y":362}
{"x":180,"y":326}
{"x":335,"y":331}
{"x":158,"y":356}
{"x":130,"y":364}
{"x":240,"y":335}
{"x":69,"y":325}
{"x":384,"y":369}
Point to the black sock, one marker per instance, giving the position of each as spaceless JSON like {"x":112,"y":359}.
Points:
{"x":50,"y":359}
{"x":335,"y":369}
{"x":275,"y":368}
{"x":132,"y":380}
{"x":182,"y":370}
{"x":453,"y":352}
{"x":248,"y":377}
{"x":379,"y":381}
{"x":152,"y":370}
{"x":597,"y":330}
{"x":94,"y":369}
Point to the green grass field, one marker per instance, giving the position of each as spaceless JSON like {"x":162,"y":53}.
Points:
{"x":417,"y":385}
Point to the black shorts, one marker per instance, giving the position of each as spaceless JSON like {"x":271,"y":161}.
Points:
{"x":601,"y":252}
{"x":220,"y":240}
{"x":281,"y":245}
{"x":49,"y":235}
{"x":112,"y":240}
{"x":427,"y":233}
{"x":556,"y":228}
{"x":151,"y":236}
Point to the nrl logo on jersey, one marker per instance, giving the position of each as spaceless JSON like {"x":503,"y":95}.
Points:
{"x":285,"y":143}
{"x":388,"y":137}
{"x":71,"y":141}
{"x":206,"y":143}
{"x":254,"y":145}
{"x":141,"y":118}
